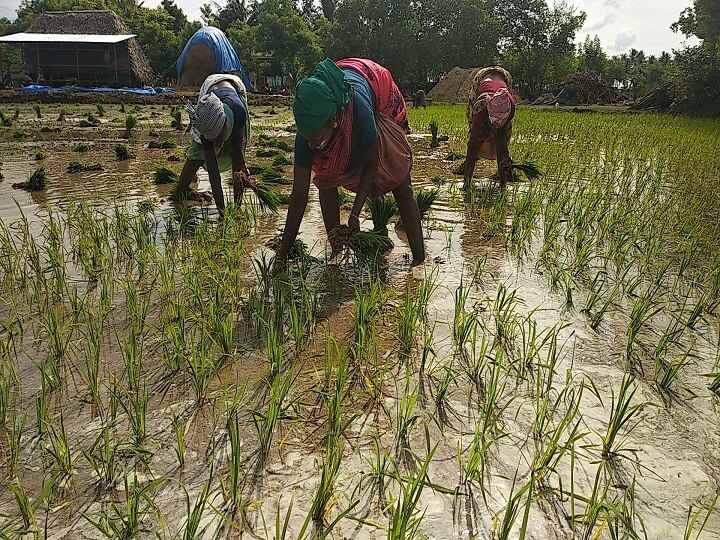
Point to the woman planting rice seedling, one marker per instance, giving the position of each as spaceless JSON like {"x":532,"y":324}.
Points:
{"x":220,"y":131}
{"x":491,"y":109}
{"x":352,"y":122}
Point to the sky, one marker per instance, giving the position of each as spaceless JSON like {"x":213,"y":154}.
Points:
{"x":620,"y":24}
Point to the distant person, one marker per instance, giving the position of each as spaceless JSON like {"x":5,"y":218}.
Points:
{"x":491,"y":109}
{"x":351,"y":123}
{"x":419,"y":99}
{"x":220,"y":129}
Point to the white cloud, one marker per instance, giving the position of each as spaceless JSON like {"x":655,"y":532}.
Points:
{"x":623,"y":40}
{"x":609,"y":18}
{"x":612,"y":3}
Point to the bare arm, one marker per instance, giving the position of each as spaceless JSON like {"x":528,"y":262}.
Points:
{"x":238,"y":164}
{"x":215,"y":182}
{"x":368,"y":161}
{"x":472,"y":150}
{"x":298,"y":203}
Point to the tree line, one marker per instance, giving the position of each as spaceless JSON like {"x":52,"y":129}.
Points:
{"x":420,"y":40}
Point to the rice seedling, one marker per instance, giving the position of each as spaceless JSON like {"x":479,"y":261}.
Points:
{"x":127,"y":519}
{"x":425,"y":199}
{"x":28,"y":508}
{"x":40,"y":156}
{"x":200,"y":367}
{"x":178,"y":428}
{"x":165,"y":175}
{"x":464,"y":322}
{"x":5,"y":121}
{"x":192,"y":527}
{"x":405,"y":514}
{"x":693,"y":518}
{"x":667,"y":371}
{"x":434,"y":127}
{"x":104,"y":457}
{"x":281,"y":161}
{"x":165,"y":144}
{"x":38,"y":110}
{"x":277,"y":410}
{"x":176,"y":121}
{"x":623,"y":419}
{"x":644,"y":308}
{"x":58,"y":448}
{"x":131,"y":123}
{"x":299,"y":249}
{"x":62,"y":114}
{"x":367,"y":246}
{"x":454,"y":156}
{"x":382,"y":209}
{"x":75,"y":167}
{"x":122,"y":108}
{"x":81,"y":147}
{"x":409,"y":313}
{"x":503,"y":524}
{"x":123,"y":153}
{"x":100,"y":109}
{"x":406,"y":418}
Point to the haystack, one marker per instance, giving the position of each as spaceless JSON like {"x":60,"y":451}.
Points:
{"x":208,"y":51}
{"x":454,"y":87}
{"x":98,"y":22}
{"x":585,"y":88}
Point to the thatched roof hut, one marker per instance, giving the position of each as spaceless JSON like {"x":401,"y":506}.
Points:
{"x":83,"y":48}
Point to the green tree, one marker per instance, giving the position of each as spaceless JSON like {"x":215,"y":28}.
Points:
{"x":591,"y":55}
{"x":538,"y":46}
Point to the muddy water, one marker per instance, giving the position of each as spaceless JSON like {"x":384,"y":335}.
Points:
{"x":675,"y":446}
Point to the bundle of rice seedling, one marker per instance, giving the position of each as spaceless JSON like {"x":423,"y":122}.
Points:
{"x":176,"y":115}
{"x":366,"y":245}
{"x":37,"y":181}
{"x":77,"y":167}
{"x":122,"y":152}
{"x":166,"y":144}
{"x":38,"y":110}
{"x":267,"y":152}
{"x":298,"y":250}
{"x":165,"y":175}
{"x":131,"y":123}
{"x":434,"y":132}
{"x":382,"y":209}
{"x":4,"y":120}
{"x":61,"y":116}
{"x":529,"y":169}
{"x":267,"y":196}
{"x":281,"y":161}
{"x":454,"y":156}
{"x":425,"y":199}
{"x":39,"y":156}
{"x":81,"y":147}
{"x":100,"y":109}
{"x":267,"y":174}
{"x":275,"y":143}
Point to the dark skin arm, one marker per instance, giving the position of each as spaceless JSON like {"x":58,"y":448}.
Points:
{"x":296,"y":210}
{"x":238,"y":164}
{"x":368,"y":160}
{"x":471,"y":157}
{"x":215,"y":183}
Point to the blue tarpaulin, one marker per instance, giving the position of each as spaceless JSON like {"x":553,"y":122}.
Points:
{"x":226,"y":59}
{"x":143,"y":91}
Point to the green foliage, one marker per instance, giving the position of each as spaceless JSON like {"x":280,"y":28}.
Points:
{"x":123,"y":153}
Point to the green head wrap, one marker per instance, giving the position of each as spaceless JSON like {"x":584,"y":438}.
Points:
{"x":319,"y":96}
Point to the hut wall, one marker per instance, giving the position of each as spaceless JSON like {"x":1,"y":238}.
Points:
{"x":85,"y":64}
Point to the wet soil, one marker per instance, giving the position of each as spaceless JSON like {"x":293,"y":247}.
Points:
{"x":673,"y":448}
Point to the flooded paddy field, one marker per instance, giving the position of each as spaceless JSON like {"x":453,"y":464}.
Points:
{"x":551,"y":371}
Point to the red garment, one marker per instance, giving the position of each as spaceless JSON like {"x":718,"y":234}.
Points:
{"x":336,"y":157}
{"x":388,"y":98}
{"x":394,"y":162}
{"x":481,"y":120}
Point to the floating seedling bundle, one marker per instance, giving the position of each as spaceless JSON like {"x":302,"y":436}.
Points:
{"x":366,"y":245}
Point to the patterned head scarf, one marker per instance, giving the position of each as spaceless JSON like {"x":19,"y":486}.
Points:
{"x":207,"y":117}
{"x":499,"y":107}
{"x":319,"y":96}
